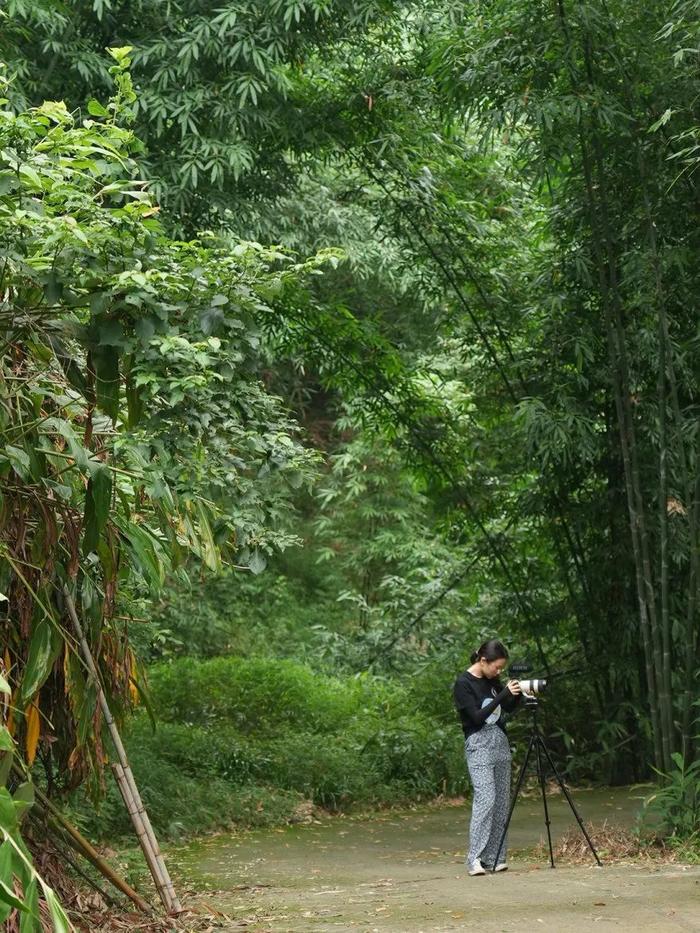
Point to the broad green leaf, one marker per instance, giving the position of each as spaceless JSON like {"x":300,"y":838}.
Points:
{"x":6,"y":760}
{"x":96,"y":109}
{"x":58,"y":915}
{"x":106,"y":363}
{"x":209,"y":549}
{"x":19,"y":459}
{"x":6,"y":741}
{"x":9,"y":897}
{"x":44,"y":646}
{"x":65,"y":429}
{"x":120,"y":53}
{"x":8,"y":182}
{"x":29,"y":922}
{"x":31,"y":177}
{"x":8,"y":814}
{"x":257,"y":561}
{"x":145,"y":553}
{"x":70,"y":365}
{"x":4,"y":686}
{"x":23,"y":798}
{"x":6,"y":875}
{"x":97,"y":504}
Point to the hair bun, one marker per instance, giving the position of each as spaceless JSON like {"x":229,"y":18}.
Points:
{"x":475,"y":657}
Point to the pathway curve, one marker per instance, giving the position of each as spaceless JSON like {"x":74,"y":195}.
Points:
{"x":403,"y":872}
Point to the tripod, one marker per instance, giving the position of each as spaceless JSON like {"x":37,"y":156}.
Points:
{"x":537,"y":742}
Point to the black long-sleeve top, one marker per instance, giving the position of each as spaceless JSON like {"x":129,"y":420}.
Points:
{"x":480,"y":700}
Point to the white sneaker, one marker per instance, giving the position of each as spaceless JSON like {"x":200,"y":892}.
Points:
{"x":476,"y":868}
{"x":501,"y":867}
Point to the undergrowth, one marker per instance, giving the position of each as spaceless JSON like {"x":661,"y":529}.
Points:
{"x":254,"y":742}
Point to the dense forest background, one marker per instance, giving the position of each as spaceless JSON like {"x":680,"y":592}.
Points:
{"x":338,"y":337}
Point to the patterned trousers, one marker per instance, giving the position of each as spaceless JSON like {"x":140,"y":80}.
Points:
{"x":488,"y":760}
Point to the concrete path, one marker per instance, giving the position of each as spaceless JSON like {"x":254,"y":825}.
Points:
{"x":403,"y":872}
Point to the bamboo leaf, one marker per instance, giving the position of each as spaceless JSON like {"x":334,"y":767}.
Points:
{"x":23,"y":798}
{"x":8,"y":814}
{"x":97,"y":504}
{"x":33,"y":731}
{"x":145,"y":553}
{"x":106,"y":362}
{"x":6,"y":876}
{"x":43,"y":651}
{"x":58,"y":915}
{"x":30,"y":922}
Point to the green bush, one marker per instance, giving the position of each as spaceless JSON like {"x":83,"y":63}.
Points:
{"x":415,"y":753}
{"x":244,"y":741}
{"x":198,"y":751}
{"x":675,"y":804}
{"x":329,"y":772}
{"x":263,"y":696}
{"x":182,"y":796}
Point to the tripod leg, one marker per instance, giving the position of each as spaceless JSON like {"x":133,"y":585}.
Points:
{"x":540,"y":775}
{"x":518,"y":785}
{"x":566,"y":793}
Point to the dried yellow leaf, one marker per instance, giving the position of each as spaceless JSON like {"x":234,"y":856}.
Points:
{"x":133,"y":692}
{"x":33,"y":730}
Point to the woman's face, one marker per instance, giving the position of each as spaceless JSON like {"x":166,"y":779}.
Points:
{"x":492,"y":668}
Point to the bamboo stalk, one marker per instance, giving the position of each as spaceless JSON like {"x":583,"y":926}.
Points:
{"x":692,"y":639}
{"x":138,"y":815}
{"x":603,"y":249}
{"x":667,"y":372}
{"x":60,"y":842}
{"x":619,"y":390}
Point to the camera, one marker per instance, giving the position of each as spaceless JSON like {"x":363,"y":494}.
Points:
{"x":532,"y":688}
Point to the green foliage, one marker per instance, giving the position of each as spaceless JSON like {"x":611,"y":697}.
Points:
{"x":263,"y":735}
{"x":216,"y":88}
{"x":20,"y":882}
{"x":136,"y":431}
{"x":676,"y":804}
{"x":503,"y":373}
{"x":260,"y":696}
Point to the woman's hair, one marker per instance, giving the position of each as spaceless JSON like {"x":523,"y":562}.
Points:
{"x":491,"y":650}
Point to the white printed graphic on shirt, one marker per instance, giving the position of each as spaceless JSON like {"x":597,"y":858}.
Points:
{"x":496,"y":714}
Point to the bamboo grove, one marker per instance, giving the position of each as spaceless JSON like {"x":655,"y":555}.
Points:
{"x":501,"y":203}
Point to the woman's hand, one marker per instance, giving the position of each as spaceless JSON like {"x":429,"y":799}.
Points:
{"x":514,"y":687}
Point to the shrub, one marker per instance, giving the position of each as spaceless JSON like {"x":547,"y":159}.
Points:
{"x":676,"y":803}
{"x":181,"y":797}
{"x":244,"y":741}
{"x":329,"y":772}
{"x":414,"y":752}
{"x":262,"y":696}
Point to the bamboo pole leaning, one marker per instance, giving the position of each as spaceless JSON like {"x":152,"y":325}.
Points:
{"x":125,"y":780}
{"x":60,"y":844}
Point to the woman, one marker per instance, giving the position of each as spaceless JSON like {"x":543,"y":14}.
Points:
{"x":480,"y":699}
